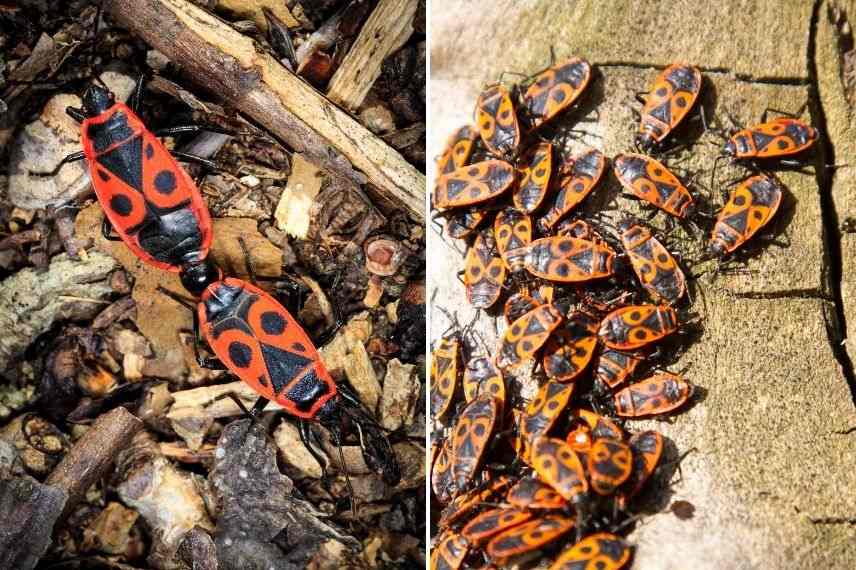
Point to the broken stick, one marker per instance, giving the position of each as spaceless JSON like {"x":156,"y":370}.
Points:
{"x":227,"y":63}
{"x":93,"y":453}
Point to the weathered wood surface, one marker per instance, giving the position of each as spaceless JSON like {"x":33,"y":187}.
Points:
{"x":771,"y":478}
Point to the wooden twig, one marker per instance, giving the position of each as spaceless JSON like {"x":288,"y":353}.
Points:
{"x":385,"y":31}
{"x":93,"y":453}
{"x":228,"y":64}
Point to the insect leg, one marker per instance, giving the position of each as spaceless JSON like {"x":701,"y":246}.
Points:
{"x":187,"y":157}
{"x":137,"y":95}
{"x":182,"y":129}
{"x":307,"y":437}
{"x":77,"y":114}
{"x":107,"y":230}
{"x":73,"y":157}
{"x":212,"y":362}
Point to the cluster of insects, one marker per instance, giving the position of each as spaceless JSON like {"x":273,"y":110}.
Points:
{"x":599,"y":303}
{"x":158,"y":212}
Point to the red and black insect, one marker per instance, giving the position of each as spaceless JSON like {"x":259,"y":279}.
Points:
{"x":149,"y":200}
{"x":750,"y":207}
{"x":649,"y":180}
{"x":600,"y":551}
{"x":778,"y":138}
{"x":657,"y":270}
{"x":657,"y":395}
{"x":671,"y":97}
{"x":259,"y":341}
{"x":635,"y":326}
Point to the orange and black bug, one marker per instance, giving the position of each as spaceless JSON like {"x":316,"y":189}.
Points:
{"x":458,"y":150}
{"x":522,"y":302}
{"x":530,"y":493}
{"x":445,"y":368}
{"x":513,"y":230}
{"x":657,"y":395}
{"x":774,"y":139}
{"x":655,"y":267}
{"x":465,"y":503}
{"x":570,"y":348}
{"x":543,"y":411}
{"x":471,"y":438}
{"x":565,"y":259}
{"x":258,"y":340}
{"x":556,"y":89}
{"x":749,"y":208}
{"x":576,"y":228}
{"x":473,"y":184}
{"x":493,"y":522}
{"x":481,"y":376}
{"x":647,"y":447}
{"x":497,"y":121}
{"x":527,"y":334}
{"x":518,"y":305}
{"x":600,"y":551}
{"x":535,"y":178}
{"x":450,"y":552}
{"x":461,"y":224}
{"x":635,"y":326}
{"x":614,"y":367}
{"x":147,"y":198}
{"x":559,"y":466}
{"x":576,"y":179}
{"x":529,"y":536}
{"x":441,"y":473}
{"x":600,"y":427}
{"x":484,"y":273}
{"x":672,"y":96}
{"x":609,"y":465}
{"x":649,"y":180}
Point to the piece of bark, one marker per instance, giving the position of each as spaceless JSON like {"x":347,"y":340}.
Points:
{"x":386,"y":30}
{"x":261,"y":525}
{"x":400,"y":392}
{"x":30,"y":510}
{"x":167,"y":498}
{"x":31,"y":302}
{"x":254,"y":82}
{"x":111,"y":531}
{"x":93,"y":453}
{"x":197,"y":550}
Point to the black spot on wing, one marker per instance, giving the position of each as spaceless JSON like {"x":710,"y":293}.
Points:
{"x":165,"y":182}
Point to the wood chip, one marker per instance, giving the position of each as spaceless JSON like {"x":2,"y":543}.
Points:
{"x":386,"y":30}
{"x":400,"y":393}
{"x":292,"y":212}
{"x":347,"y":352}
{"x":253,"y":9}
{"x":297,"y":459}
